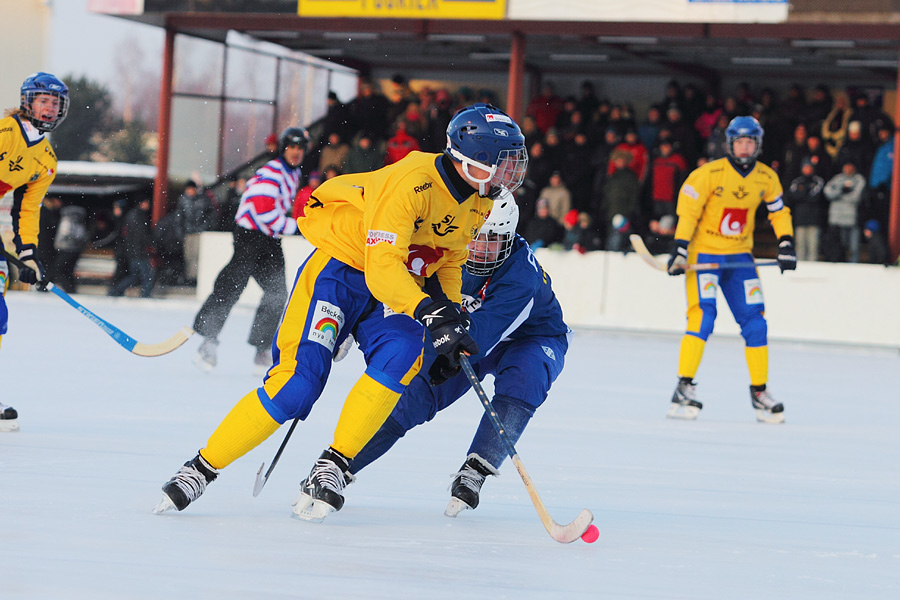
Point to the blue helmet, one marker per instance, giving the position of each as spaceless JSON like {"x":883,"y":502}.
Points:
{"x":485,"y":137}
{"x":743,"y":127}
{"x":43,"y":84}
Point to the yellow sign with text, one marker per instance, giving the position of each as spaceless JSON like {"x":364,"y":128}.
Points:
{"x":404,"y":9}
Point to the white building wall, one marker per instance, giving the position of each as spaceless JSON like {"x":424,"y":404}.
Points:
{"x":23,"y":45}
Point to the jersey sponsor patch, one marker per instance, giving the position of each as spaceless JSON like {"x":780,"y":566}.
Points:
{"x":549,"y":352}
{"x":496,"y":117}
{"x":690,"y":191}
{"x":753,"y":291}
{"x":327,"y":321}
{"x":708,"y":284}
{"x":376,"y":237}
{"x":733,"y":221}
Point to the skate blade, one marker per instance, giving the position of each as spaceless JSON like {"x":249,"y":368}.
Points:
{"x":9,"y":424}
{"x":202,"y":364}
{"x":684,"y":412}
{"x":163,"y":505}
{"x":764,"y":416}
{"x":306,"y":508}
{"x":454,"y":507}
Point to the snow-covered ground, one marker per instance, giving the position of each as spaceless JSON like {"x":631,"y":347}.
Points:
{"x":722,"y":507}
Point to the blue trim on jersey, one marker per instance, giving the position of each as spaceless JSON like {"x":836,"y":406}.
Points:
{"x":28,"y":142}
{"x":740,"y":169}
{"x":448,"y":183}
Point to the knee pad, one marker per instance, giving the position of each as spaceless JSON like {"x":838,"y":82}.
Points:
{"x":512,"y":410}
{"x":701,"y":321}
{"x":755,"y":331}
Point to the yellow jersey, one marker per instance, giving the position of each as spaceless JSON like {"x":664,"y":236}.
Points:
{"x":717,"y":207}
{"x":26,"y":158}
{"x":404,"y":219}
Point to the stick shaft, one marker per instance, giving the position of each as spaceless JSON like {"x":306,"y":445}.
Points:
{"x":121,"y":338}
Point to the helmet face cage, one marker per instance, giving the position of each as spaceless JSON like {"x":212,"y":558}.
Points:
{"x":485,"y":137}
{"x":43,"y":84}
{"x":743,"y":127}
{"x":494,"y":241}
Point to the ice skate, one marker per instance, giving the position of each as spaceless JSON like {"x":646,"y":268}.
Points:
{"x":262,"y":361}
{"x":9,"y":418}
{"x":684,"y":401}
{"x":768,"y":409}
{"x":186,"y":485}
{"x":206,"y":354}
{"x":320,"y":493}
{"x":466,"y":485}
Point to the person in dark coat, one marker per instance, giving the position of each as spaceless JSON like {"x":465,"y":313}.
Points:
{"x":136,"y":232}
{"x":543,"y":230}
{"x":804,"y":198}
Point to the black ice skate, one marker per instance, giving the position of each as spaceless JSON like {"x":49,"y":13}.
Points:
{"x":206,"y":354}
{"x":9,"y":418}
{"x":768,"y":409}
{"x":684,"y":401}
{"x":186,"y":485}
{"x":466,"y":486}
{"x":320,"y":492}
{"x":262,"y":361}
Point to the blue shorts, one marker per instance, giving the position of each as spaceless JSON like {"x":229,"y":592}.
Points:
{"x":328,"y":301}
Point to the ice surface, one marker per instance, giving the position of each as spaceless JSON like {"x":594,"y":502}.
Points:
{"x":719,"y":508}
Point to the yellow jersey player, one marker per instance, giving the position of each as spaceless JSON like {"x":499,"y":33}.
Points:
{"x":389,"y":248}
{"x":716,"y":214}
{"x":27,"y":167}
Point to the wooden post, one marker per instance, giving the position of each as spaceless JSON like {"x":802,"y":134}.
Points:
{"x":894,"y":214}
{"x":516,"y":76}
{"x":161,"y":184}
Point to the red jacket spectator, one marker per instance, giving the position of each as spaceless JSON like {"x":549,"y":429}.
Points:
{"x":667,"y":173}
{"x":638,"y":152}
{"x":399,"y":146}
{"x":545,"y":108}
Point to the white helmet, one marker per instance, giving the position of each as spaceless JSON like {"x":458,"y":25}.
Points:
{"x":494,"y":242}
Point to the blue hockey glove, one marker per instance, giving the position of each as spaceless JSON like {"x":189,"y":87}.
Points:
{"x":33,"y":272}
{"x":678,"y":258}
{"x":449,"y":337}
{"x":787,"y":255}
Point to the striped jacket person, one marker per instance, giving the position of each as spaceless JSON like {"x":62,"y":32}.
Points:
{"x":263,"y":216}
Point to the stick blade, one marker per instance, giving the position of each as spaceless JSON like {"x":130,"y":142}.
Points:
{"x":173,"y":343}
{"x":260,"y":482}
{"x":640,"y":248}
{"x":566,"y":534}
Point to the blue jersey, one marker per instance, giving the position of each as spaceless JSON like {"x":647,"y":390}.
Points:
{"x":522,"y":302}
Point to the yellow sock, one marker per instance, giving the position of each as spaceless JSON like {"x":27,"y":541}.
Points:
{"x":367,"y":407}
{"x":243,"y":429}
{"x":758,"y":364}
{"x":691,"y":355}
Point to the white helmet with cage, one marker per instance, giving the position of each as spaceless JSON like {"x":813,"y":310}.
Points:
{"x":494,"y":242}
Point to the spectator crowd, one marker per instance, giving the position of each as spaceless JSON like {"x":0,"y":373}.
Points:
{"x":598,"y":171}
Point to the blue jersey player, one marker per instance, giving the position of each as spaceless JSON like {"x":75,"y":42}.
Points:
{"x":518,"y":326}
